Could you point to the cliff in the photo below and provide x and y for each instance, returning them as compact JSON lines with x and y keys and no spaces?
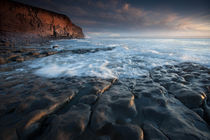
{"x":20,"y":21}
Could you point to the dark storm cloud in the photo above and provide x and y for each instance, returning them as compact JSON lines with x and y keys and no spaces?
{"x":157,"y":16}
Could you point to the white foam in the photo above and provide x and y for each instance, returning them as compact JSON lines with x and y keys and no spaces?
{"x":51,"y":70}
{"x":189,"y":58}
{"x":154,"y":51}
{"x":129,"y":58}
{"x":113,"y":45}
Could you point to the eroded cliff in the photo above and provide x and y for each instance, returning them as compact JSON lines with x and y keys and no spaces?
{"x":23,"y":22}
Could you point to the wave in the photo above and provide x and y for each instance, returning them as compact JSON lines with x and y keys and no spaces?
{"x":126,"y":58}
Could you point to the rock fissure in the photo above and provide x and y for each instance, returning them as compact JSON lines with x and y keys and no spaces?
{"x":88,"y":129}
{"x":164,"y":134}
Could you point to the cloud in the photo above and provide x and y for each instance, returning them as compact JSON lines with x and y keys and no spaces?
{"x":125,"y":7}
{"x":134,"y":16}
{"x":191,"y":25}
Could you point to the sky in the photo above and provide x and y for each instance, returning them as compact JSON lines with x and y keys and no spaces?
{"x":146,"y":18}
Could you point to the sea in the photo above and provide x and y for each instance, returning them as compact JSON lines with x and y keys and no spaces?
{"x":118,"y":57}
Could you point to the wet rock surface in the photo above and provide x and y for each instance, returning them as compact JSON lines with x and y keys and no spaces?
{"x":10,"y":53}
{"x":93,"y":50}
{"x":171,"y":103}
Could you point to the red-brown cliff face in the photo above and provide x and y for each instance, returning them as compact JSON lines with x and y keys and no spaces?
{"x":29,"y":22}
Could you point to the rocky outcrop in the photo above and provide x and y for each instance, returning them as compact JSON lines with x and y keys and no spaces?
{"x":171,"y":103}
{"x":20,"y":22}
{"x":10,"y":54}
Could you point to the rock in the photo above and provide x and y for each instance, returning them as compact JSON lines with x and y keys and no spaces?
{"x":16,"y":57}
{"x":199,"y":111}
{"x":206,"y":111}
{"x":160,"y":111}
{"x":55,"y":47}
{"x":20,"y":54}
{"x":190,"y":86}
{"x":50,"y":53}
{"x":13,"y":56}
{"x":32,"y":103}
{"x":2,"y":60}
{"x":69,"y":125}
{"x":115,"y":105}
{"x":83,"y":51}
{"x":7,"y":44}
{"x":188,"y":77}
{"x":88,"y":99}
{"x":122,"y":132}
{"x":104,"y":138}
{"x":20,"y":59}
{"x":39,"y":24}
{"x":148,"y":107}
{"x":35,"y":53}
{"x":152,"y":133}
{"x":191,"y":100}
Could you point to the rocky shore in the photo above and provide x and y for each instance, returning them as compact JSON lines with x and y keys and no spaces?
{"x":10,"y":54}
{"x":171,"y":103}
{"x":22,"y":25}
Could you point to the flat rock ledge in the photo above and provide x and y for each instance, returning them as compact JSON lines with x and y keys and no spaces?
{"x":171,"y":103}
{"x":10,"y":53}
